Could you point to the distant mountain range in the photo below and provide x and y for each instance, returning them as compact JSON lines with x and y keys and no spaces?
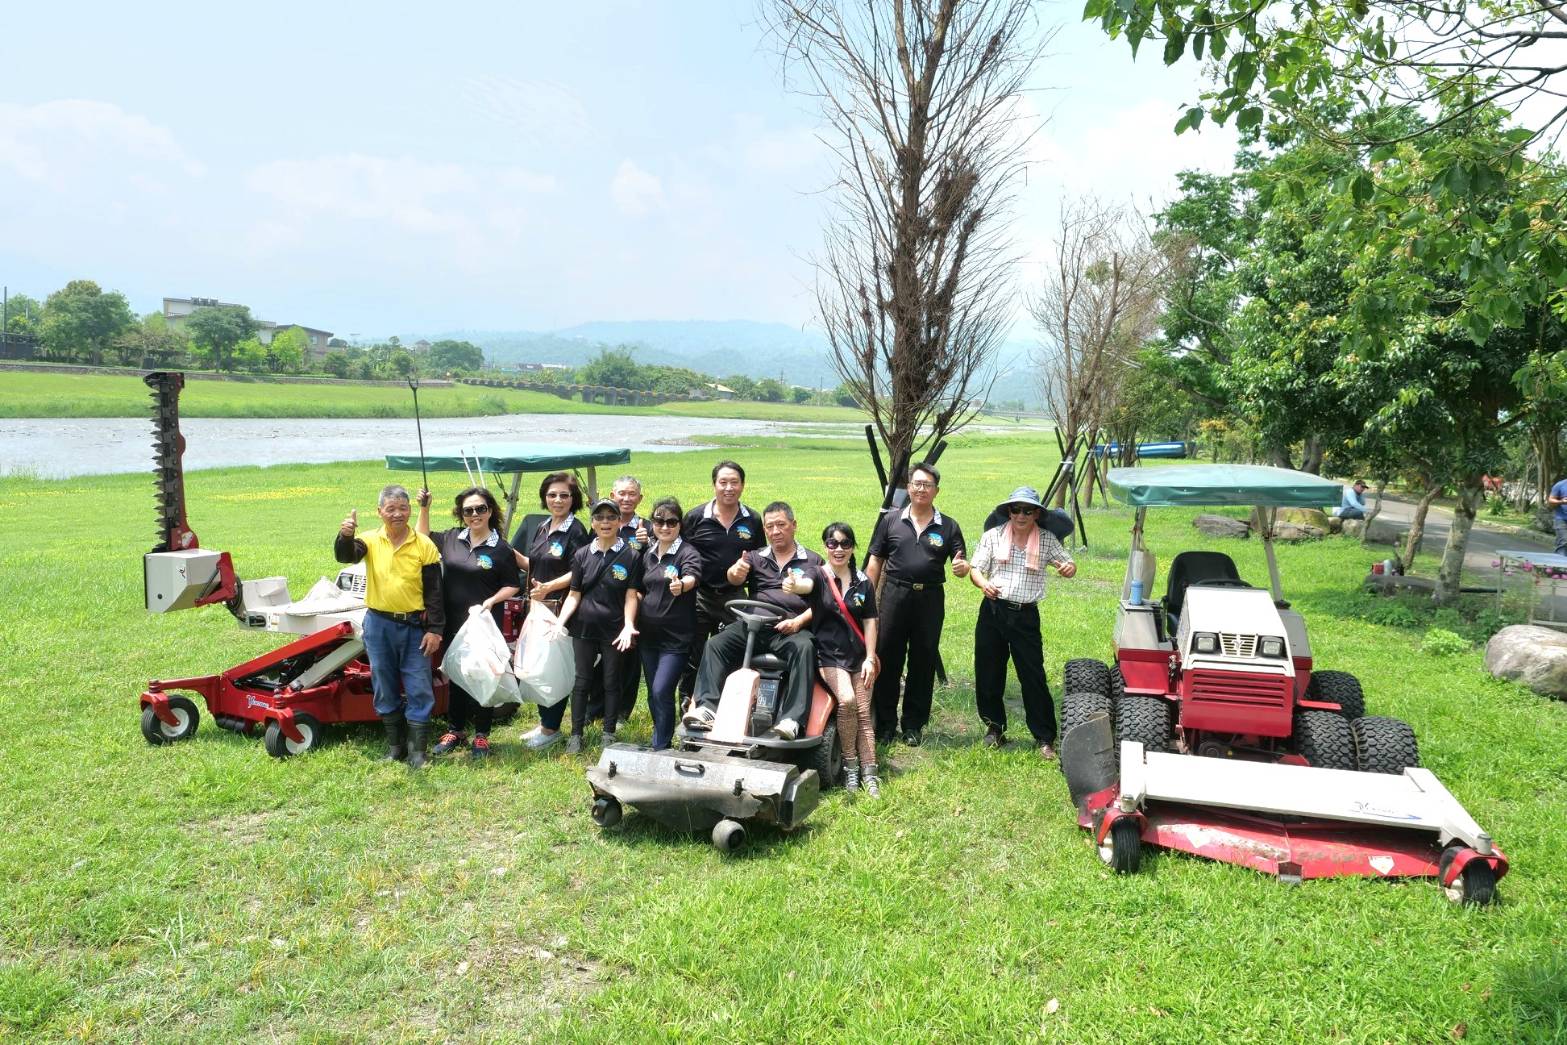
{"x":757,"y":350}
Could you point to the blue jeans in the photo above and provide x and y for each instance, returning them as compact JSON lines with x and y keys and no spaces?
{"x":397,"y":667}
{"x":1561,"y":534}
{"x":662,"y":665}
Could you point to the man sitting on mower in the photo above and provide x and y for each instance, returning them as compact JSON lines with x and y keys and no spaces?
{"x":780,"y":575}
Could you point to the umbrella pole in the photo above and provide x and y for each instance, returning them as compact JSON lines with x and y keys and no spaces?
{"x":413,"y":385}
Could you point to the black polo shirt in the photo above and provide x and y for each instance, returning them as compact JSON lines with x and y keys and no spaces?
{"x":720,"y":546}
{"x":664,"y":619}
{"x":836,"y":644}
{"x":470,"y":575}
{"x":602,"y":578}
{"x":767,"y":575}
{"x":549,"y":551}
{"x":628,"y":532}
{"x":916,"y":558}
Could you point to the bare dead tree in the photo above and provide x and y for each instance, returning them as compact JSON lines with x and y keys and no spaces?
{"x":1100,"y":302}
{"x":914,"y":287}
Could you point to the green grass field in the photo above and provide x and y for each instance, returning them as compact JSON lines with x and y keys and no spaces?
{"x":204,"y":891}
{"x":30,"y":394}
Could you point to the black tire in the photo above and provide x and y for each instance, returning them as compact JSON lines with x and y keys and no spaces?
{"x":827,"y":757}
{"x":1125,"y":844}
{"x":156,"y":732}
{"x":1324,"y":739}
{"x":729,"y":836}
{"x":1143,"y":719}
{"x":607,"y":811}
{"x":1384,"y":745}
{"x":279,"y":746}
{"x":1117,"y":684}
{"x":1078,"y":707}
{"x":1086,"y":675}
{"x":1341,"y":688}
{"x":1475,"y":887}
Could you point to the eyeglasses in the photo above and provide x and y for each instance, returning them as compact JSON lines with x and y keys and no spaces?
{"x":668,"y":520}
{"x":476,"y":509}
{"x":558,"y":493}
{"x":921,"y":484}
{"x":1021,"y":509}
{"x":834,"y":543}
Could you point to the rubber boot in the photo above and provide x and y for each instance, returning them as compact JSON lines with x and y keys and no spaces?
{"x":851,"y":774}
{"x":418,"y":740}
{"x":396,"y":749}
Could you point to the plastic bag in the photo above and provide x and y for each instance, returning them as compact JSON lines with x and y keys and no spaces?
{"x":477,"y":660}
{"x":545,"y":666}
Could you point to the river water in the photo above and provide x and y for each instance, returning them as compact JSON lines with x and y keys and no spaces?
{"x":61,"y":447}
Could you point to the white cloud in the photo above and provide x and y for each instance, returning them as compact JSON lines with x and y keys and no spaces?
{"x":60,"y":144}
{"x":542,"y":111}
{"x":634,"y":191}
{"x":1131,"y":151}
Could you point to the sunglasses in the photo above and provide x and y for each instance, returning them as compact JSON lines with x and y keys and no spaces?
{"x":1021,"y":509}
{"x":606,"y":518}
{"x":665,"y":521}
{"x":476,"y":509}
{"x":835,"y":544}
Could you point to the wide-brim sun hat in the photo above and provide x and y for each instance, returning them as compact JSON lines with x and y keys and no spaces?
{"x":1022,"y":495}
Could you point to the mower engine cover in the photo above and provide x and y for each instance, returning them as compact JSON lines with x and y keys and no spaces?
{"x":1237,"y":675}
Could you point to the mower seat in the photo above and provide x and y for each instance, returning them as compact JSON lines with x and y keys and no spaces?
{"x":1189,"y":568}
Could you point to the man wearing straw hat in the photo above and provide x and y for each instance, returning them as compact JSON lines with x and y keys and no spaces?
{"x":1009,"y":568}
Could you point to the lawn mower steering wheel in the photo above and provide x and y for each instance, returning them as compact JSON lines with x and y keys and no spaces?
{"x":1220,"y":582}
{"x":754,"y":612}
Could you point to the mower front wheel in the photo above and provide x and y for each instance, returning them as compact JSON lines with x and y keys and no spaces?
{"x":1122,"y":848}
{"x":607,"y":811}
{"x":186,"y":719}
{"x":729,"y":836}
{"x":1475,"y":885}
{"x":827,"y":757}
{"x":1384,"y":745}
{"x":279,"y":746}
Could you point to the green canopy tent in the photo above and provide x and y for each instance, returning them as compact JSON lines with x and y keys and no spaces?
{"x":507,"y":461}
{"x":1262,"y":488}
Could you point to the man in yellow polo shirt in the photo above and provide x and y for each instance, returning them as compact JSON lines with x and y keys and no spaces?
{"x":404,"y":618}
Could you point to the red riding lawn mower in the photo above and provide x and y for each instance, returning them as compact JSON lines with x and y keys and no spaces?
{"x":1213,"y":734}
{"x":289,"y":694}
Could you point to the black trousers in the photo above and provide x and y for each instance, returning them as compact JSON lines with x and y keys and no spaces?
{"x":909,"y":626}
{"x":727,"y":649}
{"x":612,"y":660}
{"x":460,"y":707}
{"x":630,"y":677}
{"x":710,"y":617}
{"x":1003,"y":631}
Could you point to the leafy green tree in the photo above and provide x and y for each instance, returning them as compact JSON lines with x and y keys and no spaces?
{"x":151,"y":344}
{"x":22,"y":314}
{"x":216,"y":331}
{"x":249,"y":355}
{"x":338,"y":363}
{"x":449,"y":356}
{"x":80,"y":321}
{"x":289,"y":351}
{"x":800,"y":395}
{"x":770,"y":390}
{"x":613,"y":368}
{"x":742,"y":386}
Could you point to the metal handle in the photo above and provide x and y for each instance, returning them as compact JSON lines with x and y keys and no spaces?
{"x":693,"y":768}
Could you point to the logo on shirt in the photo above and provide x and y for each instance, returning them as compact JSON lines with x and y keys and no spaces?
{"x":557,"y":549}
{"x":485,"y":562}
{"x":857,"y":599}
{"x":743,"y":532}
{"x":619,"y":571}
{"x":934,"y":539}
{"x":671,"y":572}
{"x":797,"y":572}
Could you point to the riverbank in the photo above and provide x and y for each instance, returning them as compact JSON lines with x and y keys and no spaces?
{"x":39,"y":395}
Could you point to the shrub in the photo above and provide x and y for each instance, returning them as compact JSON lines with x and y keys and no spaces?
{"x":1439,"y":642}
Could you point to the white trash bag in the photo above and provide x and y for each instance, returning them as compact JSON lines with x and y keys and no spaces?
{"x":479,"y":661}
{"x":545,"y":666}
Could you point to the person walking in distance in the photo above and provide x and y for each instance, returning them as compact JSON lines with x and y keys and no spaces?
{"x":721,"y":531}
{"x":404,"y":619}
{"x":912,"y":548}
{"x":1009,"y":568}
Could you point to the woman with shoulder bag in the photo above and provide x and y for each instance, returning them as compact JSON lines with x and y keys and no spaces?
{"x":546,"y":554}
{"x":843,"y":615}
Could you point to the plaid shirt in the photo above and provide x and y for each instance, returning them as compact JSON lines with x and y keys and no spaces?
{"x":1017,"y":582}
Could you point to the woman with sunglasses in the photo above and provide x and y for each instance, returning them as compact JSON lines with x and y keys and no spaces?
{"x":666,"y":616}
{"x":1010,"y":569}
{"x":843,"y":615}
{"x":601,"y":615}
{"x":546,"y":551}
{"x":478,"y":569}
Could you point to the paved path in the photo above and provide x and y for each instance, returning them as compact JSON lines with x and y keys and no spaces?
{"x":1484,"y":543}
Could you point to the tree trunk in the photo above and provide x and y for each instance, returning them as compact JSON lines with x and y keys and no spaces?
{"x":1417,"y":527}
{"x":1376,"y":509}
{"x":1311,"y":455}
{"x":1548,"y":466}
{"x":1451,"y":576}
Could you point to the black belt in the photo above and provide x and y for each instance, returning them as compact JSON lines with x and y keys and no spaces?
{"x":1018,"y":606}
{"x":401,"y":618}
{"x":914,"y":585}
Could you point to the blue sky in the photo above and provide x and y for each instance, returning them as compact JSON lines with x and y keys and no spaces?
{"x":403,"y":168}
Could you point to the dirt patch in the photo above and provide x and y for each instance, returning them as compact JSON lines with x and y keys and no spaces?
{"x":239,"y":828}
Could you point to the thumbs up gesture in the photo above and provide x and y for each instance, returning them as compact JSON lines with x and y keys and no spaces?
{"x":960,"y":566}
{"x":741,"y":569}
{"x":350,"y":523}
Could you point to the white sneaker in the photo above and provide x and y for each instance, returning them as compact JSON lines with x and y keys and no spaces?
{"x":699,"y":718}
{"x":541,"y":740}
{"x":535,"y":731}
{"x":786,"y":729}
